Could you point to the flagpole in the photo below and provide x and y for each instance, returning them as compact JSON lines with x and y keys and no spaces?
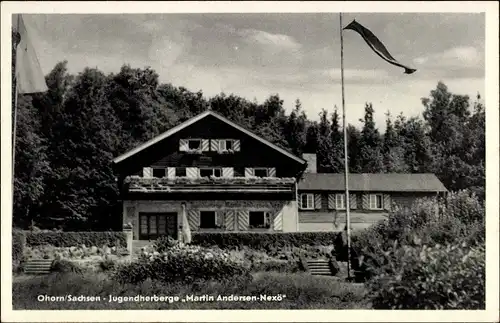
{"x":346,"y":165}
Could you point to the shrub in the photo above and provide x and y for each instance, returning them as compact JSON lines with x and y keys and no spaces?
{"x":18,"y":243}
{"x":164,"y":243}
{"x":65,"y":266}
{"x":423,"y":277}
{"x":107,"y":264}
{"x":264,"y":241}
{"x":428,"y":222}
{"x":70,"y":239}
{"x":182,"y":263}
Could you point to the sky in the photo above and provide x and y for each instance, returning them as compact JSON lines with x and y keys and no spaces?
{"x":296,"y":55}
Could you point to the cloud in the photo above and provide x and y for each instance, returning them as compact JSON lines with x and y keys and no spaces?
{"x":457,"y":57}
{"x":277,"y":41}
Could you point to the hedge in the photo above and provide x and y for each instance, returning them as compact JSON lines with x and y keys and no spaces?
{"x":73,"y":239}
{"x":18,"y":242}
{"x":231,"y":240}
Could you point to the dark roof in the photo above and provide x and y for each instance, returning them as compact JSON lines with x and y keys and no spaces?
{"x":372,"y":182}
{"x":195,"y":119}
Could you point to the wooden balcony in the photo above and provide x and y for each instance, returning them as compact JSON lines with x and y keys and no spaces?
{"x":136,"y":184}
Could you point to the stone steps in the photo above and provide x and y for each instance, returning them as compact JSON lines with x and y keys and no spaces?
{"x":38,"y":266}
{"x":319,"y":267}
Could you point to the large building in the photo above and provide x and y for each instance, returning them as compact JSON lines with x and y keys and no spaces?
{"x":225,"y":178}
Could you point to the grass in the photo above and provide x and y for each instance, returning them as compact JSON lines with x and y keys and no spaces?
{"x":299,"y":291}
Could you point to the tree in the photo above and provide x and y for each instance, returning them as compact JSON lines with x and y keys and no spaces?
{"x":353,"y":147}
{"x":337,"y":144}
{"x":393,"y":149}
{"x":370,"y":144}
{"x":324,"y":152}
{"x":295,"y":130}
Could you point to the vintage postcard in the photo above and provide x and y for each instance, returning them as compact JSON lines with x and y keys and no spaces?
{"x":250,"y":161}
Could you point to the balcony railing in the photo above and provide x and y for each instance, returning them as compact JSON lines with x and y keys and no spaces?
{"x":136,"y":184}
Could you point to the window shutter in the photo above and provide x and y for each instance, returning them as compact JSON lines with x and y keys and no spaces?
{"x":248,"y":172}
{"x":387,"y":202}
{"x":170,"y":172}
{"x":317,"y":201}
{"x":219,"y":216}
{"x":191,"y":172}
{"x":366,"y":201}
{"x":243,"y":220}
{"x":205,"y":145}
{"x":331,"y":201}
{"x":183,"y":145}
{"x":214,"y":145}
{"x":271,"y":172}
{"x":278,"y":221}
{"x":147,"y":172}
{"x":236,"y":145}
{"x":194,"y":220}
{"x":227,"y":172}
{"x":299,"y":202}
{"x":229,"y":220}
{"x":353,"y":203}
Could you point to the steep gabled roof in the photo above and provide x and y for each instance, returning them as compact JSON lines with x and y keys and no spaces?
{"x":372,"y":182}
{"x":195,"y":119}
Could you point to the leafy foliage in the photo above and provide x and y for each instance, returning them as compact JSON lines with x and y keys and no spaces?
{"x":18,"y":243}
{"x":263,"y":241}
{"x":423,"y":277}
{"x":182,"y":263}
{"x":71,"y":239}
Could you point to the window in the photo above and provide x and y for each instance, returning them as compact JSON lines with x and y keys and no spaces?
{"x":194,"y":144}
{"x":225,"y":144}
{"x":258,"y":220}
{"x":340,"y":201}
{"x":180,"y":172}
{"x":208,"y":220}
{"x":159,"y":172}
{"x":207,"y":172}
{"x":376,"y":201}
{"x":260,"y":172}
{"x":307,"y":201}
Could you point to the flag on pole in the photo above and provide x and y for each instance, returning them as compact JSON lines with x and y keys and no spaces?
{"x":186,"y":231}
{"x":29,"y":75}
{"x":376,"y":45}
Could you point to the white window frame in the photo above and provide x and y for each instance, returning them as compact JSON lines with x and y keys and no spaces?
{"x":373,"y":202}
{"x":223,"y":144}
{"x":215,"y":220}
{"x":211,"y":168}
{"x":260,"y":168}
{"x":342,"y":200}
{"x":265,"y":213}
{"x":193,"y":149}
{"x":309,"y":199}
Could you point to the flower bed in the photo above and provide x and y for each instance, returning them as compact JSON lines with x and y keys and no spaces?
{"x":182,"y":263}
{"x":73,"y":253}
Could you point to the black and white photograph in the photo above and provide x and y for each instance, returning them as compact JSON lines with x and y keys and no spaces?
{"x":234,"y":157}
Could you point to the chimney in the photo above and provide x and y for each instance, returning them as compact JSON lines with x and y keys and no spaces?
{"x":311,"y":163}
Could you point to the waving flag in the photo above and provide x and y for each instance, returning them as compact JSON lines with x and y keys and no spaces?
{"x":376,"y":45}
{"x":29,"y":75}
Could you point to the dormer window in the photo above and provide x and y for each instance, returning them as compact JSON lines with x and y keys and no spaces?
{"x":225,"y":144}
{"x":194,"y":144}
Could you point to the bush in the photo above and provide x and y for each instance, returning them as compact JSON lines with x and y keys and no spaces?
{"x":65,"y":266}
{"x":182,"y":263}
{"x":264,"y":241}
{"x":18,"y":243}
{"x":423,"y":277}
{"x":164,"y":243}
{"x":107,"y":264}
{"x":70,"y":239}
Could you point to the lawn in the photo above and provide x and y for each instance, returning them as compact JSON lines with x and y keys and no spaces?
{"x":266,"y":290}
